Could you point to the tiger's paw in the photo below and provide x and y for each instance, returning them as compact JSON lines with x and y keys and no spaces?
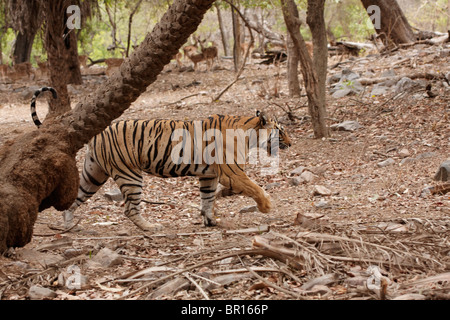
{"x":209,"y":221}
{"x":265,"y":206}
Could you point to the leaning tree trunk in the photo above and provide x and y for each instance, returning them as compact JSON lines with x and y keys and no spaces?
{"x":314,"y":84}
{"x":38,"y":169}
{"x":393,"y":24}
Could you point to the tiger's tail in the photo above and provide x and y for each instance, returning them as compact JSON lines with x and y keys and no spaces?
{"x":34,"y":115}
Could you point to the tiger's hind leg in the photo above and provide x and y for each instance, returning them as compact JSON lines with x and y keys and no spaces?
{"x":208,"y":188}
{"x":131,"y":191}
{"x":92,"y":179}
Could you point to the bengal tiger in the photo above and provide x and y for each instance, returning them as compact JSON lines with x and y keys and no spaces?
{"x":126,"y":149}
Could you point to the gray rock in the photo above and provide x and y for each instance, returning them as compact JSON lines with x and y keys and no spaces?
{"x":307,"y":176}
{"x":346,"y":126}
{"x":443,"y":173}
{"x":107,"y":258}
{"x":297,"y":171}
{"x":321,"y":191}
{"x":249,"y":209}
{"x":114,"y":195}
{"x":349,"y":75}
{"x":340,"y":93}
{"x":322,"y":204}
{"x":406,"y":84}
{"x":41,"y":293}
{"x":404,"y":153}
{"x":425,"y":155}
{"x":385,"y":163}
{"x":379,"y":90}
{"x":388,"y":74}
{"x":272,"y":185}
{"x":296,"y":181}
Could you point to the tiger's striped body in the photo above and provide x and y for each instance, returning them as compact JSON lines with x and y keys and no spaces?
{"x":126,"y":149}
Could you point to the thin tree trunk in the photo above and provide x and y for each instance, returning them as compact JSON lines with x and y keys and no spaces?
{"x":223,"y":31}
{"x":393,"y":24}
{"x":38,"y":169}
{"x":130,"y":23}
{"x":237,"y":40}
{"x":316,"y":98}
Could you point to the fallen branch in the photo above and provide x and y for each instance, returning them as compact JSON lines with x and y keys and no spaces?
{"x":263,"y":252}
{"x":271,"y":284}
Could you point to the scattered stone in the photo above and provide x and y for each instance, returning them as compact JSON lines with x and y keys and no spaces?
{"x":404,"y":153}
{"x":307,"y":176}
{"x":407,"y":160}
{"x":297,"y":170}
{"x":340,"y":93}
{"x":443,"y":173}
{"x":272,"y":185}
{"x":346,"y":126}
{"x":425,"y":155}
{"x":385,"y":163}
{"x":406,"y":84}
{"x":296,"y":181}
{"x":249,"y":209}
{"x":107,"y":258}
{"x":114,"y":195}
{"x":41,"y":293}
{"x":322,"y":204}
{"x":388,"y":73}
{"x":349,"y":75}
{"x":321,"y":191}
{"x":379,"y":90}
{"x":72,"y":253}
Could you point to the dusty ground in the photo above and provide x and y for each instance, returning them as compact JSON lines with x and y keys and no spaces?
{"x":374,"y":216}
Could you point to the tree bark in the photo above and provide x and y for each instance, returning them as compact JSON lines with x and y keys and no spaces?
{"x":316,"y":22}
{"x":61,"y":54}
{"x":315,"y":93}
{"x":38,"y":170}
{"x":26,"y":19}
{"x":393,"y":24}
{"x":223,"y":31}
{"x":22,"y":47}
{"x":292,"y":69}
{"x":237,"y":40}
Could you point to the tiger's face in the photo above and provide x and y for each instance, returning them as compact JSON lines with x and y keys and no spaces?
{"x":276,"y":128}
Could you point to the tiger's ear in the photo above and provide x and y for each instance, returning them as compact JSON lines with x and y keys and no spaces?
{"x":262,"y":117}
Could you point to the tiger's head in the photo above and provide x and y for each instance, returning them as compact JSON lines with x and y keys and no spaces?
{"x":276,"y":128}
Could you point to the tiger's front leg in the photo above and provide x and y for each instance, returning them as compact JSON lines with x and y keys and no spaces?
{"x":237,"y":182}
{"x":208,"y":188}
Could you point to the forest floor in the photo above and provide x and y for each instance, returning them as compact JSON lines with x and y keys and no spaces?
{"x":371,"y":234}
